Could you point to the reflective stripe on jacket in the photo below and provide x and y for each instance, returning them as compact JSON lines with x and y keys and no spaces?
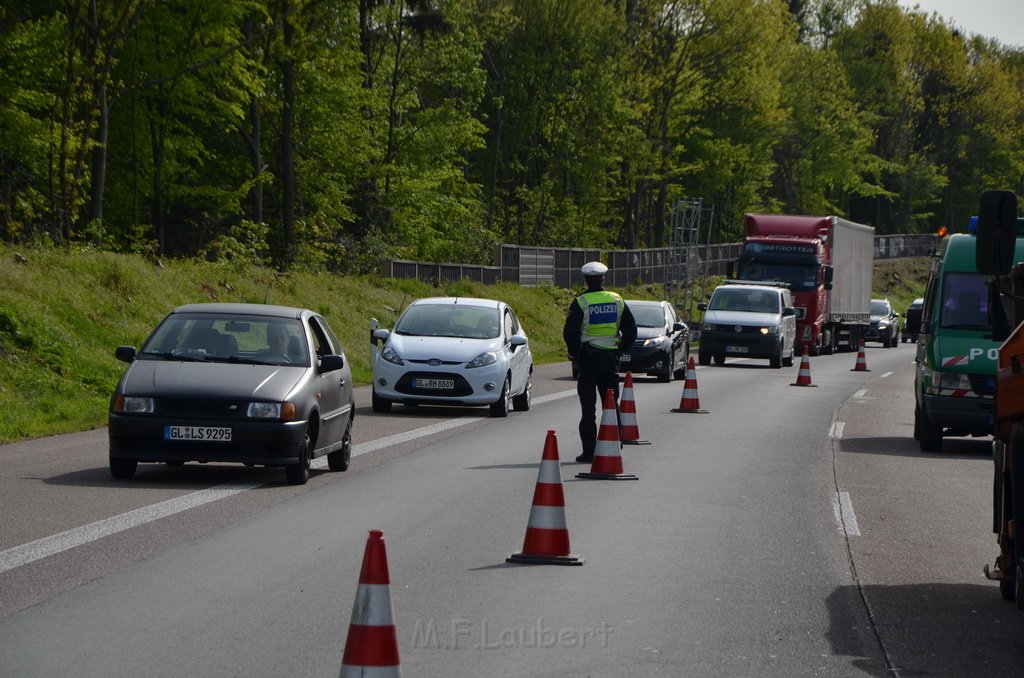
{"x":602,"y":312}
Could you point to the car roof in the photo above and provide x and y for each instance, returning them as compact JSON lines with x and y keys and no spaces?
{"x":243,"y":309}
{"x":644,"y":302}
{"x":467,"y":301}
{"x":764,"y":288}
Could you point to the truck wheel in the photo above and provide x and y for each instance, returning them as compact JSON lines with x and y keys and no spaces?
{"x":929,"y":435}
{"x":703,"y":358}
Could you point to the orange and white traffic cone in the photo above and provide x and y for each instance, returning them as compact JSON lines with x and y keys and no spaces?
{"x":629,"y":432}
{"x":372,"y":644}
{"x":607,"y":463}
{"x":547,"y":537}
{"x":690,"y":402}
{"x":862,"y":364}
{"x":803,"y":377}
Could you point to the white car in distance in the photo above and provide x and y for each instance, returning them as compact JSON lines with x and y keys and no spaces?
{"x":454,"y":351}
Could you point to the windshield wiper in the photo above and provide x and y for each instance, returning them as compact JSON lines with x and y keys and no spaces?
{"x":171,"y":355}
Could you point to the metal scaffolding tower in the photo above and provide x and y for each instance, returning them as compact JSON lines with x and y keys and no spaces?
{"x":686,"y":262}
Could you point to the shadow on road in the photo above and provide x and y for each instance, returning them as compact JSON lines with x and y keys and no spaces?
{"x":952,"y":448}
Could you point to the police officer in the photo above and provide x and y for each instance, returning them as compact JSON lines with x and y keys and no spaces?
{"x":597,"y":327}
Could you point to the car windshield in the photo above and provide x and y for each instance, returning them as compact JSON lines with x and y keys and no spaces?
{"x":647,"y":315}
{"x":755,"y":301}
{"x":965,"y":302}
{"x":879,"y":308}
{"x":227,"y":338}
{"x":449,"y":320}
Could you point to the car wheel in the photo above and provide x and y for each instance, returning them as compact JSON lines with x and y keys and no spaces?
{"x":681,"y":372}
{"x":703,"y":358}
{"x":298,"y":474}
{"x":340,"y":458}
{"x":887,"y":341}
{"x":380,"y":404}
{"x":522,"y":401}
{"x":776,"y":361}
{"x":123,"y":469}
{"x":666,"y":376}
{"x":929,"y":435}
{"x":719,"y":359}
{"x":896,"y":341}
{"x":788,"y":360}
{"x":500,"y":408}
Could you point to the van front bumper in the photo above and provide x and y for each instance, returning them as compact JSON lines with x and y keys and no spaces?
{"x":961,"y":416}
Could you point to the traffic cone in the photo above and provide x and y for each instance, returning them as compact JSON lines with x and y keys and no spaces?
{"x":607,"y":463}
{"x":803,"y":377}
{"x":690,"y":402}
{"x":862,"y":364}
{"x":629,"y":431}
{"x":547,"y":538}
{"x":372,"y":644}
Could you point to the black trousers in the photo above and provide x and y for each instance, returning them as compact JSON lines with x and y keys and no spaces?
{"x":598,"y":372}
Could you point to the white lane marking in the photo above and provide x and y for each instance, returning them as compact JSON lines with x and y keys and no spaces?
{"x":842,"y":507}
{"x":886,"y":375}
{"x":860,"y":393}
{"x":836,"y":432}
{"x":16,"y":556}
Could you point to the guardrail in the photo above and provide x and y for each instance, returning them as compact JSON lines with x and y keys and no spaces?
{"x":560,"y":266}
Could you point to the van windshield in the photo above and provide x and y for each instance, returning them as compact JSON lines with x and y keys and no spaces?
{"x":739,"y":299}
{"x":965,"y":302}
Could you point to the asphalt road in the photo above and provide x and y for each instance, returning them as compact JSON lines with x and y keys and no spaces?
{"x":788,"y":531}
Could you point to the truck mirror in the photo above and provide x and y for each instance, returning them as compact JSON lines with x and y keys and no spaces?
{"x":997,"y":226}
{"x":829,"y":273}
{"x":730,"y":270}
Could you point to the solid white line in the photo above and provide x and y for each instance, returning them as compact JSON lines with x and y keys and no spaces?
{"x":16,"y":556}
{"x":836,"y":432}
{"x":842,"y":507}
{"x":886,"y":375}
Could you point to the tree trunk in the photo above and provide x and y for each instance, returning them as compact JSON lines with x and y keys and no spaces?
{"x":99,"y":153}
{"x":287,"y":148}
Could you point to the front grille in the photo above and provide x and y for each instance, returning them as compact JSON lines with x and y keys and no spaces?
{"x":435,"y":361}
{"x":202,"y":408}
{"x":983,"y":385}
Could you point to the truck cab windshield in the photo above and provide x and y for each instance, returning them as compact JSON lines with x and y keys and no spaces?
{"x":965,"y":302}
{"x":799,"y":277}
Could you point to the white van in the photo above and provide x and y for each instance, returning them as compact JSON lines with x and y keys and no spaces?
{"x":749,"y":321}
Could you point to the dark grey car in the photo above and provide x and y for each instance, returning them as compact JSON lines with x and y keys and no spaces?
{"x":662,"y":346}
{"x":219,"y":383}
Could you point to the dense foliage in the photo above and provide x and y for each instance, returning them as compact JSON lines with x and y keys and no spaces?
{"x":330,"y":134}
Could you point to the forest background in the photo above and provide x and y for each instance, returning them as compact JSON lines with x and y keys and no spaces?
{"x":333,"y":134}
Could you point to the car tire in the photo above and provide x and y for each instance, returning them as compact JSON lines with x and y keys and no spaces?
{"x":340,"y":458}
{"x":776,"y":361}
{"x":681,"y":373}
{"x":380,"y":404}
{"x":703,"y":358}
{"x":521,"y":402}
{"x":123,"y":469}
{"x":896,"y":341}
{"x":666,"y":376}
{"x":788,"y":360}
{"x":887,"y":341}
{"x":719,"y":359}
{"x":500,"y":407}
{"x":298,"y":474}
{"x":929,"y":435}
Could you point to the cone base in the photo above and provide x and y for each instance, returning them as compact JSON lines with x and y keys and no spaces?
{"x":635,"y":442}
{"x":795,"y":384}
{"x":860,"y":370}
{"x":688,"y":411}
{"x":530,"y":559}
{"x":607,"y":476}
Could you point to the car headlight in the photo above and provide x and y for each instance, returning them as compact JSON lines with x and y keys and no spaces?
{"x":951,"y":380}
{"x":770,"y":330}
{"x":389,"y":355}
{"x":284,"y":411}
{"x":709,"y":327}
{"x":655,"y":342}
{"x":488,"y":358}
{"x":883,"y":324}
{"x":133,"y":405}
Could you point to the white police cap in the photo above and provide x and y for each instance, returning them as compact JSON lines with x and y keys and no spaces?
{"x":594,"y":268}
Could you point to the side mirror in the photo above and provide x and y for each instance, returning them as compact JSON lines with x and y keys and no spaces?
{"x":829,"y":275}
{"x":381,"y":334}
{"x":702,"y":306}
{"x":517,"y":340}
{"x":125,"y":354}
{"x":678,"y":327}
{"x":330,"y":363}
{"x":788,"y":311}
{"x":997,"y":232}
{"x":924,"y":327}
